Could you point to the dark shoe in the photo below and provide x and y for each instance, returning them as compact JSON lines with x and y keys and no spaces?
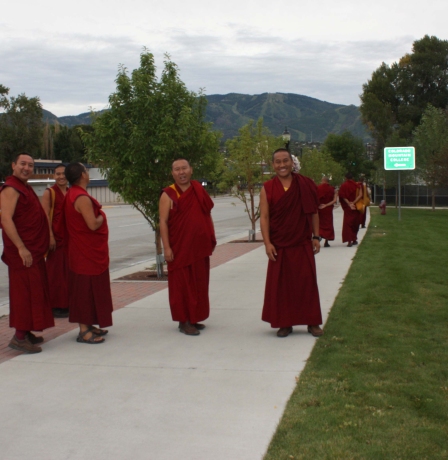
{"x":199,"y":326}
{"x":60,"y":312}
{"x":315,"y":331}
{"x":326,"y":245}
{"x":188,"y":329}
{"x":97,"y":331}
{"x":284,"y":331}
{"x":92,"y":340}
{"x":350,"y":244}
{"x":363,"y":226}
{"x":25,"y":346}
{"x":33,"y":339}
{"x":355,"y":243}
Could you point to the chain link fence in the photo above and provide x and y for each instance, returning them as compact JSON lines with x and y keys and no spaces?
{"x":411,"y":195}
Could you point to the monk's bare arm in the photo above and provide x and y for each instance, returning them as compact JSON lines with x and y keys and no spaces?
{"x":10,"y":197}
{"x":164,"y":213}
{"x":315,"y":224}
{"x":46,"y":204}
{"x":264,"y":225}
{"x":84,"y":206}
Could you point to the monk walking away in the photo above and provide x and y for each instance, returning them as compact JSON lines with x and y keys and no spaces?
{"x":327,"y":196}
{"x":57,"y":260}
{"x":349,"y":194}
{"x":188,"y":237}
{"x":26,"y":239}
{"x":87,"y":234}
{"x":289,"y":223}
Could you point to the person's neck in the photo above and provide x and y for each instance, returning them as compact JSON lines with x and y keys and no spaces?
{"x":285,"y":181}
{"x":184,"y":187}
{"x":63,"y":189}
{"x":82,"y":185}
{"x":24,"y":181}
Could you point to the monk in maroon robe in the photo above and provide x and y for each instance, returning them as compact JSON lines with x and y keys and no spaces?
{"x":57,"y":260}
{"x":289,"y":219}
{"x":86,"y":233}
{"x":327,"y":198}
{"x":26,"y":239}
{"x":349,"y":195}
{"x":188,"y":238}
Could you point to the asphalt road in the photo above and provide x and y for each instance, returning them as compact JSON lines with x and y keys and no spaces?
{"x":131,"y":239}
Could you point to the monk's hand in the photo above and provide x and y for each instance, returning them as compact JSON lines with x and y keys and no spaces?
{"x":353,"y":206}
{"x":271,"y":252}
{"x":26,"y":256}
{"x":316,"y":246}
{"x":168,"y":254}
{"x":322,"y":206}
{"x":52,"y":243}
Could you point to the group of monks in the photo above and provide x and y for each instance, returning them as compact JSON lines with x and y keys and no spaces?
{"x":57,"y":255}
{"x":354,"y":198}
{"x":64,"y":239}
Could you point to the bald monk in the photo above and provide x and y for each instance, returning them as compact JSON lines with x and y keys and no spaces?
{"x":327,"y":197}
{"x":86,"y":232}
{"x":289,"y":223}
{"x":188,"y":238}
{"x":26,"y":238}
{"x":349,"y":194}
{"x":57,"y":260}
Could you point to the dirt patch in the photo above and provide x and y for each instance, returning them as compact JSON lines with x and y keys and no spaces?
{"x":146,"y":275}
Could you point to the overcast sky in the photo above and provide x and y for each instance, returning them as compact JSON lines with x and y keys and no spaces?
{"x":67,"y":52}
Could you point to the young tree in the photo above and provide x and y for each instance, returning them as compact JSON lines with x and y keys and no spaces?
{"x":248,"y":161}
{"x":20,"y":128}
{"x":431,"y":142}
{"x":316,"y":164}
{"x":151,"y":122}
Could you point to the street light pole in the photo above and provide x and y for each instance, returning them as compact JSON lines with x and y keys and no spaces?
{"x":286,"y":138}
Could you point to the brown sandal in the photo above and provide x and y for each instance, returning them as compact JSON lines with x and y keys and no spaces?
{"x":97,"y":331}
{"x":91,"y":341}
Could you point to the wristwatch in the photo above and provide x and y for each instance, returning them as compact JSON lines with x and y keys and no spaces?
{"x":318,"y":238}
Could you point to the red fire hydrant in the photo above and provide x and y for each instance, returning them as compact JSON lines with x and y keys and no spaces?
{"x":382,"y":206}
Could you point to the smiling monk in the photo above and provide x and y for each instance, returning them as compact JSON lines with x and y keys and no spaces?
{"x":289,"y":219}
{"x":188,"y":238}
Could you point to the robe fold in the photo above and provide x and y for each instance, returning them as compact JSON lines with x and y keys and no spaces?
{"x":192,"y":240}
{"x":90,"y":298}
{"x":291,"y":293}
{"x":29,"y":304}
{"x":325,"y":194}
{"x":57,"y":260}
{"x":350,"y":225}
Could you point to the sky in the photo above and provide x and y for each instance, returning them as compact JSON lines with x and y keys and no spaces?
{"x":68,"y":53}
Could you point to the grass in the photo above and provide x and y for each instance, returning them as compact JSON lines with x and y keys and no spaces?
{"x":376,"y":384}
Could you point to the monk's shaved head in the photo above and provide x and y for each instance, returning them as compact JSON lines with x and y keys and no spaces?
{"x":20,"y":154}
{"x":180,"y":159}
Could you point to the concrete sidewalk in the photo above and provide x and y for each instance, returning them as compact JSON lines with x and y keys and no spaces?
{"x":150,"y":392}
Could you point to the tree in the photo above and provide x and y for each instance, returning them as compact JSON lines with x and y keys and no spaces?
{"x":399,"y":94}
{"x":68,"y":144}
{"x":248,"y":161}
{"x":350,"y":152}
{"x":150,"y":123}
{"x":20,"y":128}
{"x":316,"y":164}
{"x":431,"y":142}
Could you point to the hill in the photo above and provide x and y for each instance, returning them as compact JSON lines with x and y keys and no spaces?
{"x":306,"y":118}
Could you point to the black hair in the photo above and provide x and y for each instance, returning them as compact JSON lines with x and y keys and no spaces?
{"x":20,"y":154}
{"x":62,"y":165}
{"x":349,"y":176}
{"x":282,"y":149}
{"x":73,"y":172}
{"x":180,"y":159}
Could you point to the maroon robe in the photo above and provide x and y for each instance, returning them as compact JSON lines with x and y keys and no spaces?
{"x":29,"y":301}
{"x":57,"y":260}
{"x":291,"y":294}
{"x":350,"y":225}
{"x":325,"y":194}
{"x":90,"y":298}
{"x":192,"y":239}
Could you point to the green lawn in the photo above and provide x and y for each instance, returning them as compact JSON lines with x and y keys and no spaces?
{"x":376,"y":384}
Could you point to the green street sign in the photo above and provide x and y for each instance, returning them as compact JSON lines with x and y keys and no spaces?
{"x":399,"y":158}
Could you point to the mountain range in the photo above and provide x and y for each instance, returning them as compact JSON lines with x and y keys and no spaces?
{"x":306,"y":118}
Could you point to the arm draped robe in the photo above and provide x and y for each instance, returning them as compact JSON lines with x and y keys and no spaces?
{"x":29,"y":303}
{"x":325,"y":194}
{"x":291,"y":293}
{"x":350,"y":225}
{"x":192,"y":240}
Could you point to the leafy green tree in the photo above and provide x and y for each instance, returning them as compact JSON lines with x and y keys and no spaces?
{"x":350,"y":152}
{"x":431,"y":142}
{"x":68,"y":145}
{"x":151,"y":122}
{"x":318,"y":163}
{"x":248,"y":165}
{"x":399,"y":94}
{"x":21,"y":128}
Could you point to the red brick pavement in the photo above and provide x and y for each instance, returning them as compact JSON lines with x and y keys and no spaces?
{"x":123,"y":293}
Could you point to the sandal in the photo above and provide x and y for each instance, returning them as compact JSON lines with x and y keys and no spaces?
{"x":91,"y":341}
{"x":97,"y":331}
